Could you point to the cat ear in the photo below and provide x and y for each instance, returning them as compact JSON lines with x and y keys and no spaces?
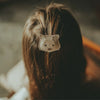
{"x":56,"y":37}
{"x":41,"y":36}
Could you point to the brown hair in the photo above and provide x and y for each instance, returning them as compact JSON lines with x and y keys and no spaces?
{"x":57,"y":74}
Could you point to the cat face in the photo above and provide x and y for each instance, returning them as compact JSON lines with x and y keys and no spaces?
{"x":49,"y":43}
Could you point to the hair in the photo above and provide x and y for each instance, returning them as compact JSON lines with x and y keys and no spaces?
{"x":57,"y":74}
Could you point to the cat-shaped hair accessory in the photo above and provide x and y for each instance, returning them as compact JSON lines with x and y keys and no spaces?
{"x":49,"y":43}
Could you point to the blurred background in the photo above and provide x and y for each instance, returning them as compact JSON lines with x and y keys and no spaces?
{"x":14,"y":13}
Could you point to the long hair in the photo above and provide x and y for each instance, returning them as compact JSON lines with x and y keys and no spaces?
{"x":57,"y":74}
